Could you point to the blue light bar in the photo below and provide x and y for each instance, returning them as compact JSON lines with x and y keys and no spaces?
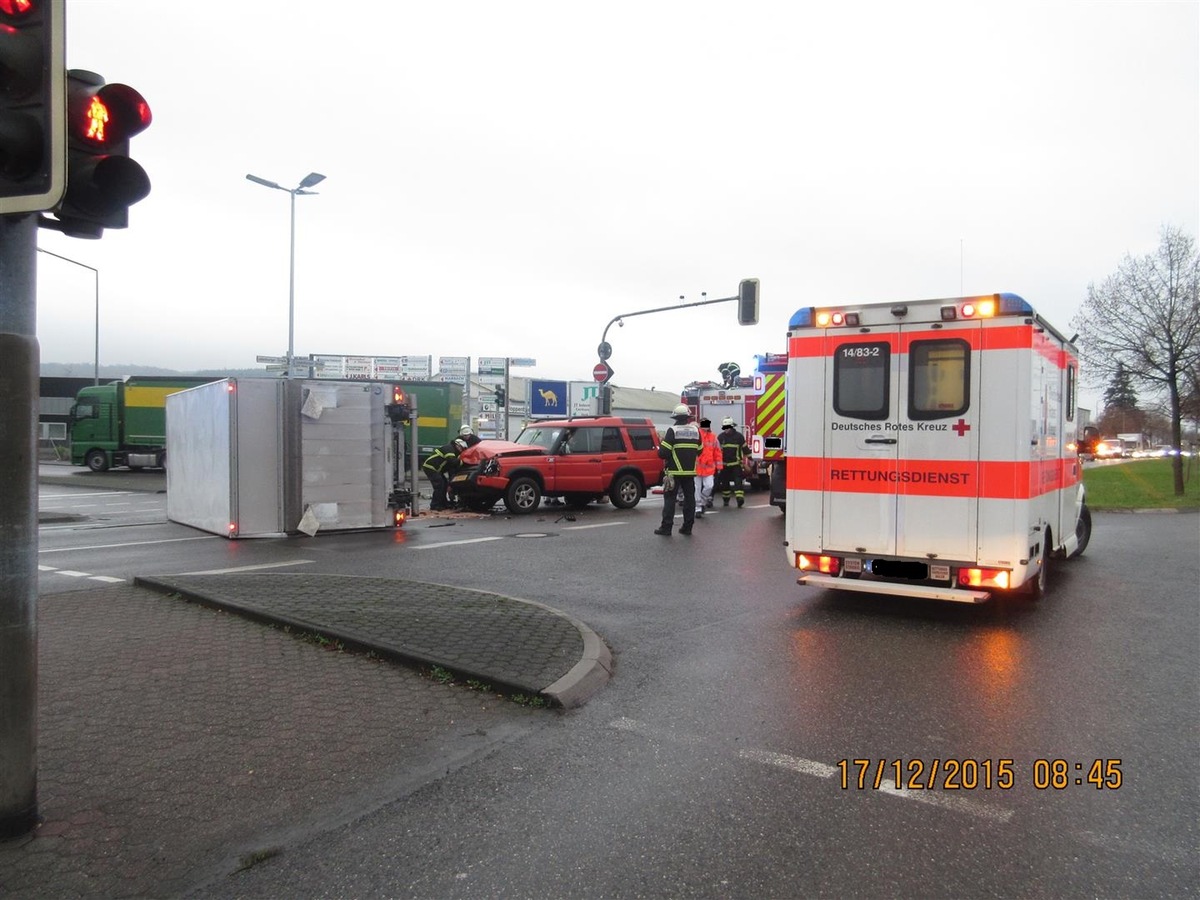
{"x":1012,"y":305}
{"x":802,"y":318}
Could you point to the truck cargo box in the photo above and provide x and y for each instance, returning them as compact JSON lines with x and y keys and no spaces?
{"x":262,"y":456}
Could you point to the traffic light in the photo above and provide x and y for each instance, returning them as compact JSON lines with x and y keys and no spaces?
{"x":32,"y":153}
{"x":500,"y":397}
{"x":748,"y":302}
{"x":102,"y":181}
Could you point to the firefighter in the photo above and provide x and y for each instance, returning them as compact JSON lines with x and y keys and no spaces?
{"x":708,"y":464}
{"x":440,"y":465}
{"x":733,"y":455}
{"x":679,"y":448}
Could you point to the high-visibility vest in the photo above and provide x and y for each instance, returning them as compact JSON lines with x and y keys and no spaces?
{"x":709,"y":461}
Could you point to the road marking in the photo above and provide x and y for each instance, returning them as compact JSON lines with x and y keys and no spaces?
{"x":795,"y":763}
{"x":277,"y":565}
{"x":824,"y":770}
{"x":597,"y":525}
{"x":208,"y":537}
{"x":456,"y":543}
{"x":89,"y":494}
{"x":110,"y":579}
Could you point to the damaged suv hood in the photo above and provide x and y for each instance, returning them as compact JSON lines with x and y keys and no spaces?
{"x":491,"y":448}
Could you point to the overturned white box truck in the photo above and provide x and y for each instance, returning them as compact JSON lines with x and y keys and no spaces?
{"x":253,"y":457}
{"x":931,"y":448}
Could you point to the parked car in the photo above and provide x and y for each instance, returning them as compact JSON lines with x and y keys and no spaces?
{"x":579,"y":460}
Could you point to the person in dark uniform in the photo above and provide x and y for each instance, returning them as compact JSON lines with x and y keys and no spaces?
{"x":438,"y":468}
{"x":679,"y":448}
{"x":733,"y":453}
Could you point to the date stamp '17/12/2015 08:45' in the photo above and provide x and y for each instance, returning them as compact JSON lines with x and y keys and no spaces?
{"x":977,"y":774}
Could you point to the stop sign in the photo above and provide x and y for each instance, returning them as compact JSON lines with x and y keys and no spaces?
{"x":602,"y":372}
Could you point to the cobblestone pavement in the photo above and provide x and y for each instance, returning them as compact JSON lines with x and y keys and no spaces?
{"x":178,"y":741}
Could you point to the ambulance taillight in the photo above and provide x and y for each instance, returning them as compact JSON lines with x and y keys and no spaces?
{"x":985,"y":578}
{"x":815,"y":562}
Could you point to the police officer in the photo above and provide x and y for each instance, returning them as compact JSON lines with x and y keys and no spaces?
{"x":733,"y":452}
{"x":679,"y":448}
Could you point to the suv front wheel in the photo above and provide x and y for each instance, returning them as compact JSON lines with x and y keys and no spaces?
{"x":625,"y":492}
{"x":523,"y":495}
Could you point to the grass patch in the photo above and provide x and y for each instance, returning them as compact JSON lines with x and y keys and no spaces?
{"x":1141,"y":484}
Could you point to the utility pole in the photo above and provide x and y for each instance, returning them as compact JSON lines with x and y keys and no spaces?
{"x":19,"y":367}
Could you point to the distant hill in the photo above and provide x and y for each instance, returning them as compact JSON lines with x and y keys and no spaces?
{"x":122,"y":370}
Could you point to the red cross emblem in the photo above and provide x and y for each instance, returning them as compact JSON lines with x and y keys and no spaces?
{"x":961,"y":427}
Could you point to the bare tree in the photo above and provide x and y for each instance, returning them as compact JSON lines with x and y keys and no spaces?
{"x":1145,"y":320}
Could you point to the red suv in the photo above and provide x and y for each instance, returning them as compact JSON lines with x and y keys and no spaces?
{"x":580,"y":460}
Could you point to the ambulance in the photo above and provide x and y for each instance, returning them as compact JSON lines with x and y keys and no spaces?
{"x":931,"y":448}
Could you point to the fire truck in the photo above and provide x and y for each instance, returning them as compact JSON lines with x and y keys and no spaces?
{"x":938,"y":457}
{"x":756,"y":403}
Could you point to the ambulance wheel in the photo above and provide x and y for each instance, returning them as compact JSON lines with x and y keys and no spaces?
{"x":1083,"y":531}
{"x":523,"y":496}
{"x":626,"y":491}
{"x":1037,"y":586}
{"x":97,"y":460}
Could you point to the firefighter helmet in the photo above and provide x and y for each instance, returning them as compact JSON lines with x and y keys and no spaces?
{"x":681,"y":411}
{"x":727,"y":421}
{"x":464,"y":431}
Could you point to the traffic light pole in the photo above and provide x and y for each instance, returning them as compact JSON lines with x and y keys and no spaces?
{"x":18,"y":524}
{"x":605,"y":390}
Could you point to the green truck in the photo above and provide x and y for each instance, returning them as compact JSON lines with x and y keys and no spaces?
{"x":124,"y":423}
{"x":439,"y":412}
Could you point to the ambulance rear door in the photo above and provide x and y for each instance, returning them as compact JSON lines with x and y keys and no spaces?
{"x":901,"y":449}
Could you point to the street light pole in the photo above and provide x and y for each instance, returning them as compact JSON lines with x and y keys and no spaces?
{"x":307,"y":181}
{"x":96,"y":273}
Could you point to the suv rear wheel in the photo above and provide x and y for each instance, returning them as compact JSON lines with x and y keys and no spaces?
{"x":523,"y":495}
{"x":625,"y":492}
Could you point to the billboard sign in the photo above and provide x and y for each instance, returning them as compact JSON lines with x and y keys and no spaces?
{"x":547,"y":399}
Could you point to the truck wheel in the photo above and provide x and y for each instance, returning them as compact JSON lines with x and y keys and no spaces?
{"x":625,"y":492}
{"x":1037,"y":587}
{"x":523,"y":496}
{"x":1083,"y":531}
{"x":96,"y":460}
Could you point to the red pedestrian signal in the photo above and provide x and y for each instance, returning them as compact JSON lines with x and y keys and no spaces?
{"x":32,"y":152}
{"x":102,"y":180}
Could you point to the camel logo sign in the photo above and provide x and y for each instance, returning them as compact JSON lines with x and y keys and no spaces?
{"x":547,"y":398}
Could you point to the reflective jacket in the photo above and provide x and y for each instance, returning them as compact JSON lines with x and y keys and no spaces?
{"x":680,"y":446}
{"x":445,"y":458}
{"x":709,"y":462}
{"x":733,"y":446}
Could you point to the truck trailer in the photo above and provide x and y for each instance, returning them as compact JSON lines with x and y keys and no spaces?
{"x":253,"y":457}
{"x":439,"y":413}
{"x":124,"y":423}
{"x":938,"y":454}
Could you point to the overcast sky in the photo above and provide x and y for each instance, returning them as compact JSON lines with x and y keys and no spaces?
{"x":502,"y":179}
